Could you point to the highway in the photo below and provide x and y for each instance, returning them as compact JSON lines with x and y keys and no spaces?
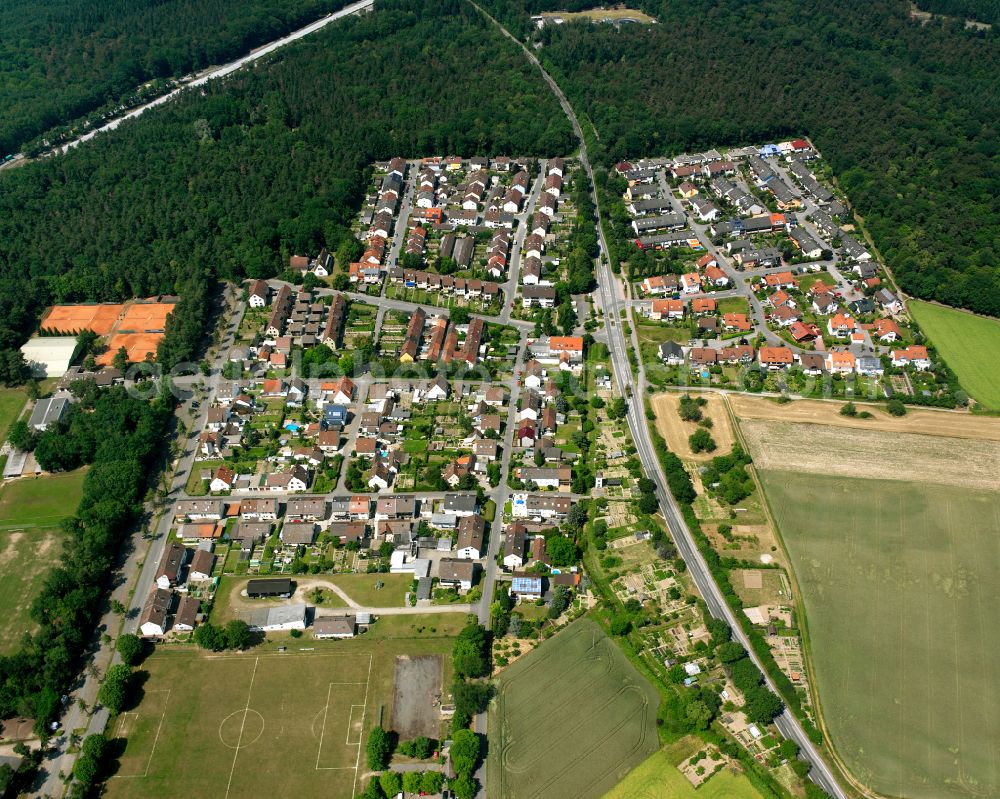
{"x":609,"y":290}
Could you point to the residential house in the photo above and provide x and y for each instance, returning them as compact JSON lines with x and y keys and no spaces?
{"x":456,"y":573}
{"x":915,"y":355}
{"x":169,"y":570}
{"x":775,"y":357}
{"x":471,"y":537}
{"x":202,"y":563}
{"x":153,"y":618}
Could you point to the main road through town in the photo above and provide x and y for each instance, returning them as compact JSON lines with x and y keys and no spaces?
{"x":612,"y":302}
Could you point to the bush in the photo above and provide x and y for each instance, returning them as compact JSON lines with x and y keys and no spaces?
{"x":130,"y":646}
{"x":701,"y":441}
{"x":378,"y":749}
{"x":849,"y":409}
{"x":896,"y":407}
{"x":391,"y":783}
{"x":115,"y":689}
{"x":464,"y":751}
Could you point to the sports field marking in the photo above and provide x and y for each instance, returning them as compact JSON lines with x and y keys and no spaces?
{"x":350,"y":722}
{"x":239,"y":741}
{"x":159,"y":726}
{"x":357,"y":762}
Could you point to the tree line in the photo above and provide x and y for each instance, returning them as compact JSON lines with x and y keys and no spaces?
{"x":229,"y":181}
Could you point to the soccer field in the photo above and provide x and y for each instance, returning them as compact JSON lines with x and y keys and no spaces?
{"x":969,"y":345}
{"x":246,"y":725}
{"x":901,"y":582}
{"x":570,"y":719}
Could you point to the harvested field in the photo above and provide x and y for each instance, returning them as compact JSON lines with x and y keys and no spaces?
{"x":74,"y":318}
{"x":675,"y":431}
{"x":917,"y":420}
{"x":417,"y":697}
{"x":900,"y":583}
{"x":877,"y":454}
{"x":570,"y":719}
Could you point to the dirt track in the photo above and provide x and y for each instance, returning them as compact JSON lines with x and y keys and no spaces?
{"x":917,"y":420}
{"x":675,"y":431}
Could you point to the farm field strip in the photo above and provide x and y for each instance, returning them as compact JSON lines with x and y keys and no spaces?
{"x":917,"y":420}
{"x":824,"y":449}
{"x":968,"y":344}
{"x":560,"y":707}
{"x":900,"y":581}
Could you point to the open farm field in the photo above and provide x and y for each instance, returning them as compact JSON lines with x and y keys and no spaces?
{"x":675,"y":431}
{"x":968,"y":344}
{"x":31,"y":511}
{"x":570,"y":719}
{"x":658,"y":777}
{"x":875,"y":454}
{"x":264,"y":723}
{"x":917,"y":420}
{"x":900,"y":584}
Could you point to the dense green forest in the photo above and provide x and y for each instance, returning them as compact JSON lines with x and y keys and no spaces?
{"x":61,"y":59}
{"x":908,"y":115}
{"x":268,"y":162}
{"x":979,"y":10}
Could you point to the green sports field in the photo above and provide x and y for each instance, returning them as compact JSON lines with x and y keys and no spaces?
{"x":969,"y":345}
{"x":30,"y":514}
{"x":570,"y":719}
{"x":901,"y":583}
{"x":265,"y":723}
{"x":658,"y":777}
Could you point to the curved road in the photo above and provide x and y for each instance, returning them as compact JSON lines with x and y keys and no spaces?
{"x":612,"y":301}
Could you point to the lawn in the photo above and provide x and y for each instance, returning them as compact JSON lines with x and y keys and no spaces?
{"x":30,"y":542}
{"x":806,"y":282}
{"x":734,"y":305}
{"x":900,"y":582}
{"x":11,"y":402}
{"x":263,"y":723}
{"x":40,"y":502}
{"x":968,"y":344}
{"x":570,"y":719}
{"x":658,"y":776}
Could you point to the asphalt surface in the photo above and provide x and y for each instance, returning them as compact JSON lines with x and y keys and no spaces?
{"x":609,"y":293}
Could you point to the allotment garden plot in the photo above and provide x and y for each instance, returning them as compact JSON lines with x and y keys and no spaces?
{"x":570,"y":719}
{"x":901,"y":581}
{"x":246,"y":725}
